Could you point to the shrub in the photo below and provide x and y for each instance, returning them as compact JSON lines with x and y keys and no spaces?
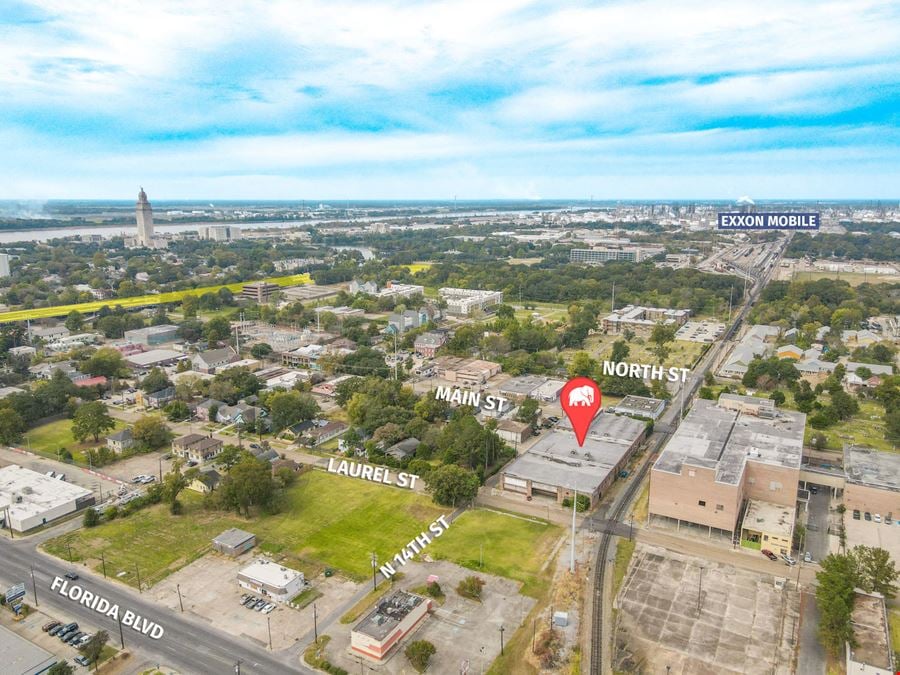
{"x":434,"y":590}
{"x":419,"y":653}
{"x":470,"y":587}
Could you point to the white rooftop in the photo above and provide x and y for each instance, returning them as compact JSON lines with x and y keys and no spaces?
{"x":38,"y":493}
{"x":269,"y":573}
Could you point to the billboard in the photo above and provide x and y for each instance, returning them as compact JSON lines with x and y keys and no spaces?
{"x":768,"y":221}
{"x":15,"y":592}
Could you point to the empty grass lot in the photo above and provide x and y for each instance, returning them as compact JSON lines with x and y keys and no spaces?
{"x":48,"y":438}
{"x":514,"y":547}
{"x":326,"y":520}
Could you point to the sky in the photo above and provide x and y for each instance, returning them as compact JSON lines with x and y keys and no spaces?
{"x":475,"y":99}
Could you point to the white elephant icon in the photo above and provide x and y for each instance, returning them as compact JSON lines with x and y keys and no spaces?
{"x":582,"y":396}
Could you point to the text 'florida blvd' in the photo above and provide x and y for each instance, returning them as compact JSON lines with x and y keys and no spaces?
{"x":413,"y":548}
{"x":103,"y":606}
{"x":376,"y":474}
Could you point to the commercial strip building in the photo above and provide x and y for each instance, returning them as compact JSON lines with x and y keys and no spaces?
{"x":557,"y":466}
{"x":872,"y":653}
{"x":641,"y":320}
{"x":392,"y":619}
{"x":463,"y":301}
{"x":152,"y":335}
{"x":540,"y":388}
{"x":603,"y":254}
{"x":271,"y":580}
{"x":29,"y":499}
{"x":722,"y":457}
{"x":640,"y":406}
{"x":23,"y":657}
{"x":154,"y":358}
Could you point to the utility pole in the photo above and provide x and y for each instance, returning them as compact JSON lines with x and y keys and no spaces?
{"x":34,"y":587}
{"x":121,"y":633}
{"x":315,"y":624}
{"x":138,"y":570}
{"x":572,"y":556}
{"x":103,"y":562}
{"x":237,"y":667}
{"x":269,"y":626}
{"x":699,"y":590}
{"x":501,"y":639}
{"x":374,"y":572}
{"x":180,"y":602}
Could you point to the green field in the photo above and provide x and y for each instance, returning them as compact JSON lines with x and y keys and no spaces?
{"x":852,"y":278}
{"x":49,"y":438}
{"x":141,"y":300}
{"x":514,"y":547}
{"x":864,"y":428}
{"x":682,"y":354}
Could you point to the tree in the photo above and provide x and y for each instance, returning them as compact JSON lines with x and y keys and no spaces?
{"x":249,"y":483}
{"x":659,"y":390}
{"x":74,"y":321}
{"x":528,"y":411}
{"x":173,"y":483}
{"x":260,"y":350}
{"x":107,"y":362}
{"x":708,"y":378}
{"x":94,"y":647}
{"x":151,"y":432}
{"x":419,"y":653}
{"x":660,"y":336}
{"x":177,"y":411}
{"x":91,"y":518}
{"x":834,"y":596}
{"x":291,"y":407}
{"x":620,"y":351}
{"x":778,"y":397}
{"x":156,"y":380}
{"x":189,"y":306}
{"x":707,"y":393}
{"x":217,"y":329}
{"x":452,"y":485}
{"x":818,"y":440}
{"x":61,"y":668}
{"x":875,"y":570}
{"x":230,"y":455}
{"x":91,"y":419}
{"x":11,"y":426}
{"x":582,"y":365}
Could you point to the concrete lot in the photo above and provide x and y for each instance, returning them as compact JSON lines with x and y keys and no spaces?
{"x":744,"y":624}
{"x":30,"y":629}
{"x":209,"y":590}
{"x":459,"y":628}
{"x":870,"y":533}
{"x":74,"y":474}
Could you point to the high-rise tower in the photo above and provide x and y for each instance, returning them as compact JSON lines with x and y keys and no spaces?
{"x":144,"y":214}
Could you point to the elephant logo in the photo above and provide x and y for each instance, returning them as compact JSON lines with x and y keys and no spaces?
{"x":581,"y":396}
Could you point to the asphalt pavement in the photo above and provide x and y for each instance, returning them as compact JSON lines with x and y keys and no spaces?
{"x":812,"y":659}
{"x":187,"y":644}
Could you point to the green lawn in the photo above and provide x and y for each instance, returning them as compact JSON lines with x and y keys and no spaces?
{"x":894,"y":620}
{"x":852,"y":278}
{"x":48,"y":438}
{"x":513,"y":547}
{"x":864,"y":428}
{"x":327,"y":520}
{"x":682,"y":354}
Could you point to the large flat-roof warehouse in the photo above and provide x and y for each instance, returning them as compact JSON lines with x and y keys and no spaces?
{"x":32,"y":499}
{"x":23,"y":657}
{"x":556,"y":465}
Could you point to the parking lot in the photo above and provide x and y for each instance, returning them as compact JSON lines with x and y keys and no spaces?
{"x":681,"y":614}
{"x":459,"y":628}
{"x":870,"y":533}
{"x":818,"y":540}
{"x":30,"y":629}
{"x":209,"y":590}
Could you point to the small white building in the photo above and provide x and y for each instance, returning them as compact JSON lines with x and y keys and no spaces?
{"x":31,"y":499}
{"x":271,"y":580}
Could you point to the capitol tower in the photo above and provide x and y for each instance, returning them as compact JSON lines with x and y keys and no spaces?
{"x":144,"y":214}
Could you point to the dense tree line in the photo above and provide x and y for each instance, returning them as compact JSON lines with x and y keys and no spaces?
{"x":871,"y":246}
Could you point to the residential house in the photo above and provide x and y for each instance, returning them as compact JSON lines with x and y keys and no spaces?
{"x":203,"y":408}
{"x":324,"y":431}
{"x":120,"y":441}
{"x":814,"y":371}
{"x":513,"y":431}
{"x":408,"y":320}
{"x":427,"y":344}
{"x":196,"y":448}
{"x":240,"y":413}
{"x":206,"y":481}
{"x":156,"y":399}
{"x":404,"y":449}
{"x":789,"y":351}
{"x":210,"y":360}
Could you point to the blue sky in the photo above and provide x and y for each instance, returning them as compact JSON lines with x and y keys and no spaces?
{"x":335,"y":99}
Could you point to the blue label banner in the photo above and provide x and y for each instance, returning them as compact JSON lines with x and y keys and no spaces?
{"x":768,"y":221}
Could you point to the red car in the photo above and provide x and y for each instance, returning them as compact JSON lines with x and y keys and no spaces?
{"x":769,"y":554}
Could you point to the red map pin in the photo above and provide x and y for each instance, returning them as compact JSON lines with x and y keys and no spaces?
{"x":580,"y":400}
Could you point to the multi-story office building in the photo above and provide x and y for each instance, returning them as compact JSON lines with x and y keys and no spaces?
{"x":604,"y":254}
{"x":465,"y":301}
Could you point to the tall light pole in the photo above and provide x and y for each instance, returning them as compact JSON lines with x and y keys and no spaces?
{"x":374,"y":573}
{"x":699,"y":589}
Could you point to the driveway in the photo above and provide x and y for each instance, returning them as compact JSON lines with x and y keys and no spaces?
{"x":817,"y":524}
{"x":812,"y":657}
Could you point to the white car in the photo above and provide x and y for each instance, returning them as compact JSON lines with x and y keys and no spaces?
{"x":788,"y":560}
{"x":268,"y":608}
{"x":877,"y":517}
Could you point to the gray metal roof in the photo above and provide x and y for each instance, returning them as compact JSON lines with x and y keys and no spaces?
{"x":233,"y":537}
{"x":868,"y":466}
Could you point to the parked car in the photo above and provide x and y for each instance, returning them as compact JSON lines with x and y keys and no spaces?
{"x":82,"y":661}
{"x":877,"y":517}
{"x":52,"y":474}
{"x":73,"y":636}
{"x":255,"y":446}
{"x":814,"y":489}
{"x":888,"y":519}
{"x":137,"y":479}
{"x":48,"y":626}
{"x":192,"y":463}
{"x":244,"y":598}
{"x":855,"y":514}
{"x":771,"y":556}
{"x":808,"y":557}
{"x":268,"y":608}
{"x":867,"y":515}
{"x":55,"y":630}
{"x":250,"y":602}
{"x":788,"y":560}
{"x":71,"y":576}
{"x":259,"y":605}
{"x":83,"y":639}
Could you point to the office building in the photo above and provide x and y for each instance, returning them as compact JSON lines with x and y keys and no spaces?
{"x":723,"y":456}
{"x":220,"y":233}
{"x":392,"y":619}
{"x":641,"y":320}
{"x":152,"y":335}
{"x":464,"y":301}
{"x":4,"y":264}
{"x":259,"y":291}
{"x":30,"y":499}
{"x":603,"y":254}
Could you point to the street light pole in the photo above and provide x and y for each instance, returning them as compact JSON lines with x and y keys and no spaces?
{"x":34,"y":587}
{"x":374,"y":572}
{"x":501,"y":639}
{"x":315,"y":624}
{"x":180,"y":602}
{"x":699,"y":589}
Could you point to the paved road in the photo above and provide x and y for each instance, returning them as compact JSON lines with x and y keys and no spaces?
{"x":812,"y":659}
{"x":188,"y":645}
{"x":817,"y":524}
